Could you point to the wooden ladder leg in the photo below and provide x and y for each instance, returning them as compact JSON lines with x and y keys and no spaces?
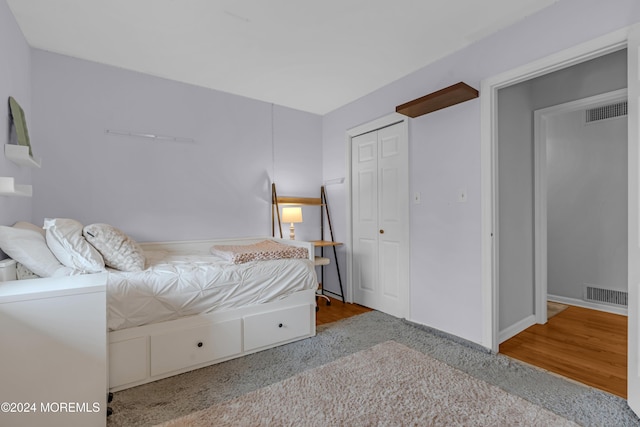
{"x":323,"y":199}
{"x":274,"y":205}
{"x":335,"y":255}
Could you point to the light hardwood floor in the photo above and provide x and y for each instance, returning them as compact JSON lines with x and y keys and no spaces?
{"x":585,"y":345}
{"x":337,"y":311}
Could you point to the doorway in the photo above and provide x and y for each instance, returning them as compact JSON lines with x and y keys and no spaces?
{"x":580,"y":202}
{"x":550,"y":220}
{"x":519,"y":262}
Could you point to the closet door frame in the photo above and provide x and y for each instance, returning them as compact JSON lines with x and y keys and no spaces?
{"x":374,"y":125}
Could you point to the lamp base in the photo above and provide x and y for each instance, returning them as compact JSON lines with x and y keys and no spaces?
{"x":292,"y":232}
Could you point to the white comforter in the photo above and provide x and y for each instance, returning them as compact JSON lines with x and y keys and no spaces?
{"x":176,"y":286}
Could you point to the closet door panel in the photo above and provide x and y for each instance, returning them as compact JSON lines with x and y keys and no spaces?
{"x":366,"y":198}
{"x":390,"y":253}
{"x":367,"y":270}
{"x":365,"y":213}
{"x":389,"y":209}
{"x":392,"y":186}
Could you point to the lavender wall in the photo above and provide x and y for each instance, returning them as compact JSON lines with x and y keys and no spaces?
{"x":445,"y":154}
{"x":215,"y":187}
{"x":15,"y":69}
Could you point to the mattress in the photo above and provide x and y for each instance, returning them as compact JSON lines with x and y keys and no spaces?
{"x":174,"y":286}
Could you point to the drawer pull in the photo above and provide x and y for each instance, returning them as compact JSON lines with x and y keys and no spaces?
{"x":280,"y":325}
{"x":200,"y":344}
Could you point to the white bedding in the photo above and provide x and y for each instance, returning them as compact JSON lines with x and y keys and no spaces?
{"x":174,"y":286}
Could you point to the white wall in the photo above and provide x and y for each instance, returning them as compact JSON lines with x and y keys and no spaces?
{"x":215,"y":187}
{"x":445,"y":154}
{"x":587,"y":204}
{"x":15,"y":74}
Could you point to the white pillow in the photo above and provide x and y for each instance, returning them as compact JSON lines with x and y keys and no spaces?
{"x":118,"y":250}
{"x":28,"y":226}
{"x":25,"y":243}
{"x":64,"y":238}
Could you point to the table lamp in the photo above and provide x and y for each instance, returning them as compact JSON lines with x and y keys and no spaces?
{"x":292,"y":215}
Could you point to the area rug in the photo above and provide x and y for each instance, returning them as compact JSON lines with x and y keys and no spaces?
{"x":387,"y":384}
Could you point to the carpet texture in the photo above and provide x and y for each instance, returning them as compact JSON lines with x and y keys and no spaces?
{"x":388,"y":384}
{"x":174,"y":397}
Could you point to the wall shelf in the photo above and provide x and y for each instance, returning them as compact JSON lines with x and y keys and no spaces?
{"x":19,"y":154}
{"x":8,"y":187}
{"x":312,"y":201}
{"x":452,"y":95}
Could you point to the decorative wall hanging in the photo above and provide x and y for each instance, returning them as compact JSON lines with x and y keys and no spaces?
{"x":20,"y":124}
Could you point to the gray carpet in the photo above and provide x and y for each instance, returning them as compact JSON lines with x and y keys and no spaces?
{"x":388,"y":384}
{"x":174,"y":397}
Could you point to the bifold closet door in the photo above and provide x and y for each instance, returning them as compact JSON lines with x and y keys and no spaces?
{"x":379,"y":217}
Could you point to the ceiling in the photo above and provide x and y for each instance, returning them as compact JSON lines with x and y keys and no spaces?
{"x":313,"y":56}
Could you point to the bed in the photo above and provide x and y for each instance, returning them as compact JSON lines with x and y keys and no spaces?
{"x":187,"y":307}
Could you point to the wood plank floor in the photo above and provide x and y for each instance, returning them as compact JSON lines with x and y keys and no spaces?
{"x":585,"y":345}
{"x":337,"y":311}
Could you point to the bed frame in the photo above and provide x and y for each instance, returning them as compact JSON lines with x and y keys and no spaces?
{"x":151,"y":352}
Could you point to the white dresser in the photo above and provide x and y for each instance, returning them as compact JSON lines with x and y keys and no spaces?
{"x":53,"y":352}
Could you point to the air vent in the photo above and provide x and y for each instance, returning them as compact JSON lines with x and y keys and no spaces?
{"x":606,"y":296}
{"x":610,"y":111}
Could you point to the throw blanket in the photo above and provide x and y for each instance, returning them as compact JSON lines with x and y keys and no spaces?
{"x":261,"y":251}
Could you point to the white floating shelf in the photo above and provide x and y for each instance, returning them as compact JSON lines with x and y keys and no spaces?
{"x":19,"y":154}
{"x":8,"y":187}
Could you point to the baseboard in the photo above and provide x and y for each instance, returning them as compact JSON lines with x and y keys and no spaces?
{"x":516,"y":328}
{"x":587,"y":304}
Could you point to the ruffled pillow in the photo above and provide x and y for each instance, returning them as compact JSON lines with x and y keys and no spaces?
{"x":118,"y":250}
{"x":64,"y":238}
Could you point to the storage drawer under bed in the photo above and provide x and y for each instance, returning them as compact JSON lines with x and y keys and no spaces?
{"x":179,"y":349}
{"x":267,"y":329}
{"x":153,"y":351}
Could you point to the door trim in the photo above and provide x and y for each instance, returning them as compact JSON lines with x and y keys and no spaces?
{"x":374,"y":125}
{"x":540,"y":118}
{"x":489,"y":159}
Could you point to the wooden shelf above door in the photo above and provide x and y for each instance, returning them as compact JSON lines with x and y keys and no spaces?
{"x":452,"y":95}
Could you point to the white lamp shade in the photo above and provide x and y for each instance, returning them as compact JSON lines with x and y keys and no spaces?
{"x":292,"y":214}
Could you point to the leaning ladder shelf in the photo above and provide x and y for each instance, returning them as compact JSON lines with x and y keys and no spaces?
{"x":321,"y":201}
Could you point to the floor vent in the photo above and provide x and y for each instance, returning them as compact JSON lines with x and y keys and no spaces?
{"x":606,"y":112}
{"x":606,"y":296}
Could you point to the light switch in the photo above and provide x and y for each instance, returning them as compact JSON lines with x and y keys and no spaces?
{"x":462,"y":195}
{"x":416,"y":197}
